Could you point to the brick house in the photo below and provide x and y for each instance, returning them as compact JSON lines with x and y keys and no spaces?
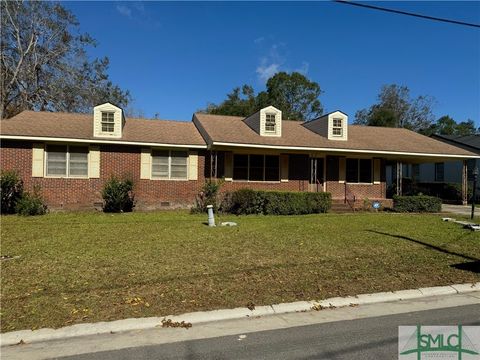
{"x":72,"y":155}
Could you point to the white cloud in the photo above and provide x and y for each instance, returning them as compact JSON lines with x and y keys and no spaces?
{"x":266,"y":71}
{"x":124,"y":10}
{"x":304,"y":68}
{"x":259,"y":40}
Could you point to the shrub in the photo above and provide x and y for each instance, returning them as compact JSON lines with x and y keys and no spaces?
{"x":246,"y":201}
{"x":419,"y":203}
{"x":11,"y":189}
{"x":31,"y":204}
{"x":118,"y":195}
{"x":208,"y":196}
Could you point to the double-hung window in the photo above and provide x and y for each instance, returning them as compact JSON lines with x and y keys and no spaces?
{"x":66,"y":161}
{"x":337,"y":129}
{"x":256,"y":167}
{"x":108,"y":122}
{"x":270,"y":123}
{"x":358,"y":170}
{"x":169,"y":164}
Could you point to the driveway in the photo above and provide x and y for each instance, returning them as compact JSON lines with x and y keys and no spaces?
{"x":464,"y":210}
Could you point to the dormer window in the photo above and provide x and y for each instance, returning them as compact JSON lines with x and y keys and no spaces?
{"x":337,"y":129}
{"x":108,"y":122}
{"x":270,"y":123}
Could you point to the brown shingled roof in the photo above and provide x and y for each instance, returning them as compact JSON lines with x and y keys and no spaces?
{"x":232,"y":129}
{"x":80,"y":126}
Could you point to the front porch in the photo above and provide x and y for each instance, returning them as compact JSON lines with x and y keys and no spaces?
{"x":352,"y":178}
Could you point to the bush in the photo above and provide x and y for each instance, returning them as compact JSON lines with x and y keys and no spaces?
{"x":31,"y":204}
{"x":419,"y":203}
{"x":11,"y":189}
{"x":208,"y":196}
{"x":246,"y":201}
{"x":118,"y":195}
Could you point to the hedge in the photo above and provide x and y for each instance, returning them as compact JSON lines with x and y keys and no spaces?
{"x":247,"y":201}
{"x":419,"y":203}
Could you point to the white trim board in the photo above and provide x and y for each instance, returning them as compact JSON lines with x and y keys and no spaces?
{"x":99,"y":141}
{"x":386,"y":152}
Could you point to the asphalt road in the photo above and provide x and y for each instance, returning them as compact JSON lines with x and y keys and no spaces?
{"x":368,"y":338}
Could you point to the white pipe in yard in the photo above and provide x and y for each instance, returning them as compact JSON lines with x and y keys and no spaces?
{"x":211,"y":217}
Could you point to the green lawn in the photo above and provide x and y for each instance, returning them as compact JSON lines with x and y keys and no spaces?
{"x":86,"y":267}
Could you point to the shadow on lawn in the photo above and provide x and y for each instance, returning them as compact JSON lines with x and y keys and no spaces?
{"x":430,"y":246}
{"x":473,"y":266}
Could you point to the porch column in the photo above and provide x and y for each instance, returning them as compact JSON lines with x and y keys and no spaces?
{"x":213,"y":164}
{"x":399,"y":177}
{"x":464,"y":183}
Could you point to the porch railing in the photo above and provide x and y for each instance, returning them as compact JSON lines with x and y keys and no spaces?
{"x":349,"y":197}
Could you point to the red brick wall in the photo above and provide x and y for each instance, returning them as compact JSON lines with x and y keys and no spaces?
{"x":361,"y":191}
{"x":84,"y":193}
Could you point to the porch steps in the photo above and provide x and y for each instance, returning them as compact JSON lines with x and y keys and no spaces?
{"x":338,"y":206}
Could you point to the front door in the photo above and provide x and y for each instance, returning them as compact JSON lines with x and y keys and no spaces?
{"x":316,"y":174}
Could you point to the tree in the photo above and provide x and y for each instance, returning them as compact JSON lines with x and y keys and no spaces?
{"x":293,"y":93}
{"x":395,"y":108}
{"x":448,"y":126}
{"x":44,"y":65}
{"x":236,"y":104}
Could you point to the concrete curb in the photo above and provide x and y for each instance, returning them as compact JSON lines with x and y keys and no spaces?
{"x":31,"y":336}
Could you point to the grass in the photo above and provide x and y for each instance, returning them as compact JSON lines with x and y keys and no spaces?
{"x":87,"y":267}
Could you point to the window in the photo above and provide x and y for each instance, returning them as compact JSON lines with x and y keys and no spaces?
{"x":168,"y":164}
{"x":66,"y":161}
{"x":256,"y":167}
{"x":108,"y":122}
{"x":337,"y":129}
{"x":270,"y":124}
{"x":439,"y":172}
{"x":359,"y":170}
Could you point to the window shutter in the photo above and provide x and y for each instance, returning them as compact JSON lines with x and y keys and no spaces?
{"x":284,"y":168}
{"x":94,"y":162}
{"x":376,"y":171}
{"x":193,"y":165}
{"x":38,"y":154}
{"x":228,"y":166}
{"x":145,"y":164}
{"x":342,"y":170}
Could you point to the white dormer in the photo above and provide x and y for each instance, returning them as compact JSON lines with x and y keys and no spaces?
{"x":266,"y":122}
{"x":108,"y":121}
{"x":334,"y":126}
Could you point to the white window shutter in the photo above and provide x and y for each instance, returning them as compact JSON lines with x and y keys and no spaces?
{"x":94,"y":162}
{"x":376,"y":171}
{"x":38,"y":155}
{"x":145,"y":164}
{"x":228,"y":166}
{"x":192,"y":165}
{"x":284,"y":168}
{"x":342,"y":170}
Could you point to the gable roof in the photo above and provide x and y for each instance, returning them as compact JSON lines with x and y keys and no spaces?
{"x":80,"y":126}
{"x":468,"y":142}
{"x":233,"y":130}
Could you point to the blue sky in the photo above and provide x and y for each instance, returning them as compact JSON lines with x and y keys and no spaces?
{"x":177,"y":57}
